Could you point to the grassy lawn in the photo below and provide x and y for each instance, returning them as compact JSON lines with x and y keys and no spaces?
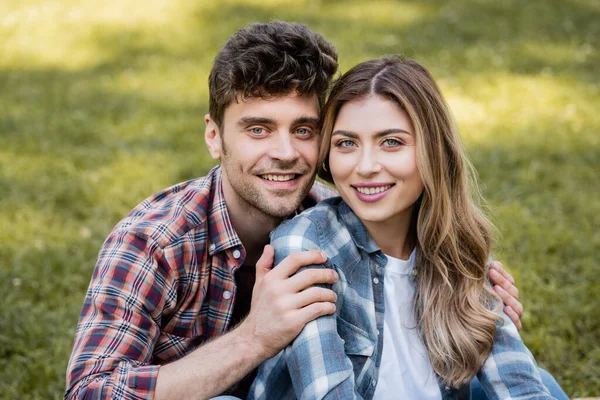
{"x":102,"y":104}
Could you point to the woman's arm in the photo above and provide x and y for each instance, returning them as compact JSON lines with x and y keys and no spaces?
{"x":510,"y":371}
{"x":314,"y":365}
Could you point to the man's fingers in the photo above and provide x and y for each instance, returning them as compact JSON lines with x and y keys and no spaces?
{"x":264,"y":263}
{"x":294,"y":261}
{"x":314,"y":295}
{"x":497,"y":265}
{"x":509,"y":301}
{"x":312,"y":276}
{"x":500,"y":280}
{"x":513,"y":316}
{"x":315,"y":310}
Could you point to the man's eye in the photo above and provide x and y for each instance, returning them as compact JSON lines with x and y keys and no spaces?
{"x":257,"y":130}
{"x":304,"y":131}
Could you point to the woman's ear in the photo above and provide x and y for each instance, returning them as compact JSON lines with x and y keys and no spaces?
{"x":212,"y":137}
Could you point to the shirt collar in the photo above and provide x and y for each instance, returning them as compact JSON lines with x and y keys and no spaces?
{"x":357,"y":230}
{"x":221,"y":234}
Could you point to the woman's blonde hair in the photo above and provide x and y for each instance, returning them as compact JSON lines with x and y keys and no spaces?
{"x":452,"y":236}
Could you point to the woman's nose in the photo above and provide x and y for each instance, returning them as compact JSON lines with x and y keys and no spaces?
{"x":368,"y":164}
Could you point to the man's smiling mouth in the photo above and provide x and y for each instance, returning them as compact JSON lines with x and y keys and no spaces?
{"x":278,"y":178}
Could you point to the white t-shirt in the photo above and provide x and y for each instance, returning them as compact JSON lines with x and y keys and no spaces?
{"x":405,"y":371}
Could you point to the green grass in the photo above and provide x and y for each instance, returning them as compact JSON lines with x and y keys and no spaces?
{"x":102,"y":104}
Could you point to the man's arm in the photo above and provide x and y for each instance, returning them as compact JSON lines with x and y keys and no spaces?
{"x":120,"y":324}
{"x":504,"y":286}
{"x":280,"y":309}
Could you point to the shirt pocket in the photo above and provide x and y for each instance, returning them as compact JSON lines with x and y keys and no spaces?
{"x":356,"y":341}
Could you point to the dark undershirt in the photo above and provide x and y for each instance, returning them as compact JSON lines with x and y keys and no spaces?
{"x":244,"y":279}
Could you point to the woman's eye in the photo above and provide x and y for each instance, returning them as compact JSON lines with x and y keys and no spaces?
{"x":345,"y":143}
{"x":390,"y":142}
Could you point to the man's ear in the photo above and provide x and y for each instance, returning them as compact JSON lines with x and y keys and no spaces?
{"x":212,"y":136}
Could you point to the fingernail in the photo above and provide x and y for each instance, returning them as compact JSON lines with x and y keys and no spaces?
{"x":493,"y":273}
{"x":324,"y":255}
{"x":499,"y":289}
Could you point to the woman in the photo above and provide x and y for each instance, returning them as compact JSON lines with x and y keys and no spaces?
{"x":415,"y":317}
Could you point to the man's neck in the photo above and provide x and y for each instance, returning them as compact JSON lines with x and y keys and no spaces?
{"x":251,"y":225}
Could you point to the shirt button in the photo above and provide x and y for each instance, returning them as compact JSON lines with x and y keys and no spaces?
{"x":343,"y":341}
{"x":236,"y":254}
{"x":377,"y":330}
{"x":447,"y":388}
{"x":376,"y":280}
{"x":373,"y":382}
{"x":227,"y":295}
{"x":213,"y":247}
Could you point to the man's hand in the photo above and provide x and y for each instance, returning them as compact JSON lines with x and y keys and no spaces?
{"x":282,"y":304}
{"x":504,"y":285}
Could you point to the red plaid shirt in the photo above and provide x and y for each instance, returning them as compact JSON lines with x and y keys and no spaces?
{"x":163,"y":284}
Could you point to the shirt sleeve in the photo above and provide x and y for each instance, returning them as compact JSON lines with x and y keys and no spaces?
{"x":510,"y":371}
{"x":314,"y":365}
{"x":119,"y":324}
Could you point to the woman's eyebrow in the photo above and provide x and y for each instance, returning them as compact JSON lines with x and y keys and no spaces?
{"x":349,"y":134}
{"x":378,"y":135}
{"x":390,"y":131}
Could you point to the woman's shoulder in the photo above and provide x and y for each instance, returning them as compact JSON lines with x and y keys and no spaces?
{"x":310,"y":225}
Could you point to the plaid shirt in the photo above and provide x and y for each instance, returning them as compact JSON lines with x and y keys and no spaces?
{"x":163,"y":284}
{"x":338,"y":356}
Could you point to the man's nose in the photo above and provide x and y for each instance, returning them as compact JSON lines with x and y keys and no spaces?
{"x":368,"y":164}
{"x":283,"y":147}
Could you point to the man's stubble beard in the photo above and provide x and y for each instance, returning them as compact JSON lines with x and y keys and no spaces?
{"x":275,"y":206}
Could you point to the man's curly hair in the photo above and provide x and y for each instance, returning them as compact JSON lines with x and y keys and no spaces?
{"x":270,"y":60}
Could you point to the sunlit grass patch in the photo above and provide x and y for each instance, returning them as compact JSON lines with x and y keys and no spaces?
{"x":102,"y":104}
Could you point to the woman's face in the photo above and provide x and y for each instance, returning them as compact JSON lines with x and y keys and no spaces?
{"x":373,"y":160}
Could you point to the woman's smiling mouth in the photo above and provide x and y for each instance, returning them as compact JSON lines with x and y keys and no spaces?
{"x":371,"y":192}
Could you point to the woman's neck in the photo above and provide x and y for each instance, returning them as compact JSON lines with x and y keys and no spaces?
{"x":393,"y":235}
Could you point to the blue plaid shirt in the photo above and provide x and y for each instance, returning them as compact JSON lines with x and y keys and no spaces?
{"x":338,"y":356}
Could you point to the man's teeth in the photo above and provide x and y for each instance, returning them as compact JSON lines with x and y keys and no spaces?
{"x":278,"y":178}
{"x":373,"y":190}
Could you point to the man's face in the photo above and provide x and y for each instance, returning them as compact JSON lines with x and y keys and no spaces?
{"x":268,"y":151}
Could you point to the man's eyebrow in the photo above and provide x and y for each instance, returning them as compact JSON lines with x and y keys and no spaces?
{"x":307,"y":120}
{"x":255,"y":120}
{"x":269,"y":121}
{"x":378,"y":135}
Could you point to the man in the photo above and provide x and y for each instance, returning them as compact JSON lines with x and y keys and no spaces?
{"x":182,"y":302}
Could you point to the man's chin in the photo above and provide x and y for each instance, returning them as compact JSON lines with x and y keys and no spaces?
{"x":282,"y":208}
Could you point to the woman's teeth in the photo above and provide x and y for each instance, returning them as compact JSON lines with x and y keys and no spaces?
{"x":372,"y":190}
{"x":278,"y":178}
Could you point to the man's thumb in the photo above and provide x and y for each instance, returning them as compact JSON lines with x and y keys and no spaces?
{"x":265,"y":262}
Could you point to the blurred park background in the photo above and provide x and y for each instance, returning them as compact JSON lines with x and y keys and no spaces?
{"x":102,"y":104}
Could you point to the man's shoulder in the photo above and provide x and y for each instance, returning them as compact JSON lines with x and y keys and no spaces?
{"x":170,"y":213}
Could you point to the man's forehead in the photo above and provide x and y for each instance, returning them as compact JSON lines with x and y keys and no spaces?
{"x":275,"y":107}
